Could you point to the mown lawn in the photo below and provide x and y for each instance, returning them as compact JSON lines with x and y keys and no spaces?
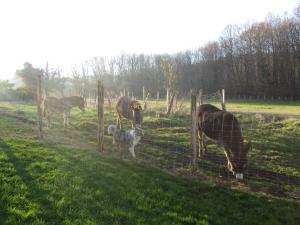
{"x":63,"y":180}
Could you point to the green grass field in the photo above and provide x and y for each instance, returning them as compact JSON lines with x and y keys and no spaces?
{"x":63,"y":180}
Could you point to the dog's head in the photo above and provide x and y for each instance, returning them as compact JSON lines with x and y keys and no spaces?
{"x":112,"y":129}
{"x":136,"y":135}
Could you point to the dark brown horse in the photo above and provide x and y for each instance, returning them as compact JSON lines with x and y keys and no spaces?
{"x":223,"y":127}
{"x":131,"y":110}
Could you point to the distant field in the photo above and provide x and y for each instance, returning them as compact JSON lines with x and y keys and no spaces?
{"x":63,"y":180}
{"x":284,"y":108}
{"x":277,"y":108}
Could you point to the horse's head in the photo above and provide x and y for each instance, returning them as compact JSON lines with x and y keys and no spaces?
{"x":238,"y":160}
{"x":137,"y":112}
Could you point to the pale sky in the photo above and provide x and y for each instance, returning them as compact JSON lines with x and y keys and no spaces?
{"x":65,"y":33}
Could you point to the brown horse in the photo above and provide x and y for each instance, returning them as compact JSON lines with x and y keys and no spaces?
{"x":223,"y":127}
{"x":129,"y":109}
{"x":61,"y":106}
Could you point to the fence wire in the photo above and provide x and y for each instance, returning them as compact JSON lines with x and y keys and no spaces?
{"x":273,"y":161}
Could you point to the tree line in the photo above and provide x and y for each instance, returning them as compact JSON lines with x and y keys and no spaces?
{"x":258,"y":59}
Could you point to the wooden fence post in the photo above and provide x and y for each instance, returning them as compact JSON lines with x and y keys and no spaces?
{"x":109,"y":99}
{"x":194,"y":127}
{"x":221,"y":94}
{"x":100,"y":135}
{"x":170,"y":106}
{"x":144,"y":94}
{"x":168,"y":99}
{"x":175,"y":103}
{"x":223,"y":100}
{"x":145,"y":101}
{"x":200,"y":97}
{"x":39,"y":108}
{"x":157,"y":98}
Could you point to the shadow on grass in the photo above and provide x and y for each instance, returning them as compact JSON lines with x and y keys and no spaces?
{"x":36,"y":194}
{"x":17,"y":117}
{"x":132,"y":193}
{"x":100,"y":190}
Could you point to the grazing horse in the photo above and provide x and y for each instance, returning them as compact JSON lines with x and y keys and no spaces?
{"x":130,"y":109}
{"x":61,"y":106}
{"x":223,"y":127}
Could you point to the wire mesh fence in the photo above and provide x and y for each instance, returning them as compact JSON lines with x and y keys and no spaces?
{"x":273,"y":162}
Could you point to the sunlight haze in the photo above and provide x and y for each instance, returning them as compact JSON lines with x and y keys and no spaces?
{"x":65,"y":33}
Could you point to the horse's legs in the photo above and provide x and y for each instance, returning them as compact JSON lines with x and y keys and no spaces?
{"x":204,"y":140}
{"x":119,"y":121}
{"x":65,"y":117}
{"x":68,"y":117}
{"x":200,"y":142}
{"x":48,"y":121}
{"x":48,"y":117}
{"x":227,"y":154}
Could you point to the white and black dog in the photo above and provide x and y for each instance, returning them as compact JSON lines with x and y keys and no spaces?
{"x":130,"y":137}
